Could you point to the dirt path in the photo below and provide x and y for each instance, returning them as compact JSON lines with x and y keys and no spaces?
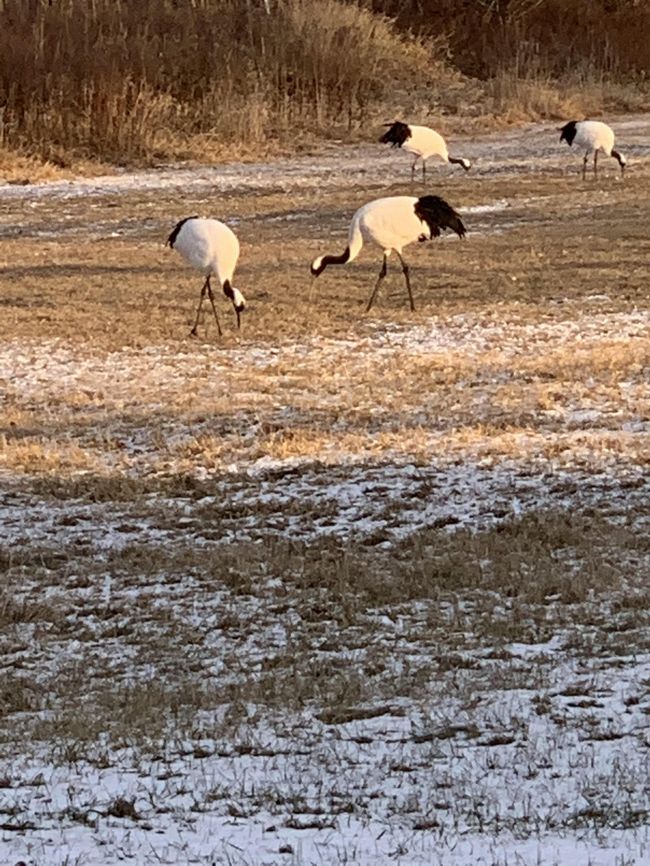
{"x":533,"y":148}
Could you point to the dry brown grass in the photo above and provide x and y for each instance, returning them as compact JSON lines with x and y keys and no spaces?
{"x":21,"y":168}
{"x":35,"y":455}
{"x":128,"y":82}
{"x":93,"y":295}
{"x":534,"y":36}
{"x":527,"y":58}
{"x":151,"y":80}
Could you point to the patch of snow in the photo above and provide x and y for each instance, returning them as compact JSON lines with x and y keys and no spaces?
{"x":418,"y":787}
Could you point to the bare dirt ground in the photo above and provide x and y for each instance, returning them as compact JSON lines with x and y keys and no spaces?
{"x":340,"y":588}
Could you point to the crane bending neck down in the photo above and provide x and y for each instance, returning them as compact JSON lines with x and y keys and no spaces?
{"x":392,"y":223}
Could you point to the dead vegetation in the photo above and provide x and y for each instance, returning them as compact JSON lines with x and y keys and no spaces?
{"x":128,"y":81}
{"x":152,"y":80}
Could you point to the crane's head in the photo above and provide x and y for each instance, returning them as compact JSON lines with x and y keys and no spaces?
{"x":238,"y":300}
{"x":622,"y":161}
{"x":321,"y":262}
{"x":317,"y":266}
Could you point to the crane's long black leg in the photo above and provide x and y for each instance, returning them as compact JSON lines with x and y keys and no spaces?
{"x":424,"y":170}
{"x":204,"y":289}
{"x":413,"y":170}
{"x":405,"y":271}
{"x":214,"y":309}
{"x":595,"y":163}
{"x":584,"y":166}
{"x":382,"y":274}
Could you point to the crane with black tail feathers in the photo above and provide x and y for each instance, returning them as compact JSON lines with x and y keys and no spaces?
{"x":211,"y":247}
{"x":393,"y":223}
{"x":594,"y":136}
{"x":423,"y":143}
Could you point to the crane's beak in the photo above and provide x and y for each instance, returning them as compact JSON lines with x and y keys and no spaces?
{"x":310,"y":296}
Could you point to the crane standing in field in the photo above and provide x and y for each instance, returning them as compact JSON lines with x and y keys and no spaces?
{"x":593,"y":136}
{"x":423,"y":142}
{"x":393,"y":223}
{"x":211,"y":247}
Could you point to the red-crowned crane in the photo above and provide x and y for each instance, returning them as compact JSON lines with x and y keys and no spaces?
{"x":423,"y":142}
{"x":393,"y":223}
{"x":593,"y":136}
{"x":211,"y":247}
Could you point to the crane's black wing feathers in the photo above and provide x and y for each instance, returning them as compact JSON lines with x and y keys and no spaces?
{"x":171,"y":240}
{"x":568,"y":132}
{"x":438,"y":215}
{"x":397,"y":134}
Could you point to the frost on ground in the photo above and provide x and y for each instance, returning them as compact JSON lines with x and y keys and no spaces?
{"x":427,"y":734}
{"x":341,"y":589}
{"x":553,"y":777}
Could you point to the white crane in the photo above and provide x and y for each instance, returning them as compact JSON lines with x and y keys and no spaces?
{"x":392,"y":223}
{"x":593,"y":136}
{"x":213,"y":248}
{"x":423,"y":142}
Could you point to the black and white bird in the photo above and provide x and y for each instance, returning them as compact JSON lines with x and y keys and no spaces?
{"x":392,"y":223}
{"x":211,"y":247}
{"x":421,"y":141}
{"x":594,"y":136}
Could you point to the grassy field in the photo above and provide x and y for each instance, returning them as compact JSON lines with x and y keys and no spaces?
{"x":339,"y":588}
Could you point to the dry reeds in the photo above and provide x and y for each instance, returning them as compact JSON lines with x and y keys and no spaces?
{"x":125,"y":79}
{"x":554,"y":37}
{"x":540,"y":58}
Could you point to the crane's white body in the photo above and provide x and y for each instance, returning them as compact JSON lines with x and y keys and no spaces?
{"x":390,"y":223}
{"x":212,"y":248}
{"x":425,"y":143}
{"x":209,"y":246}
{"x":594,"y":135}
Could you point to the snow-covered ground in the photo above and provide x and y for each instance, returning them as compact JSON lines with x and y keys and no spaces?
{"x":536,"y":755}
{"x":588,"y":450}
{"x":384,"y":790}
{"x":556,"y":775}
